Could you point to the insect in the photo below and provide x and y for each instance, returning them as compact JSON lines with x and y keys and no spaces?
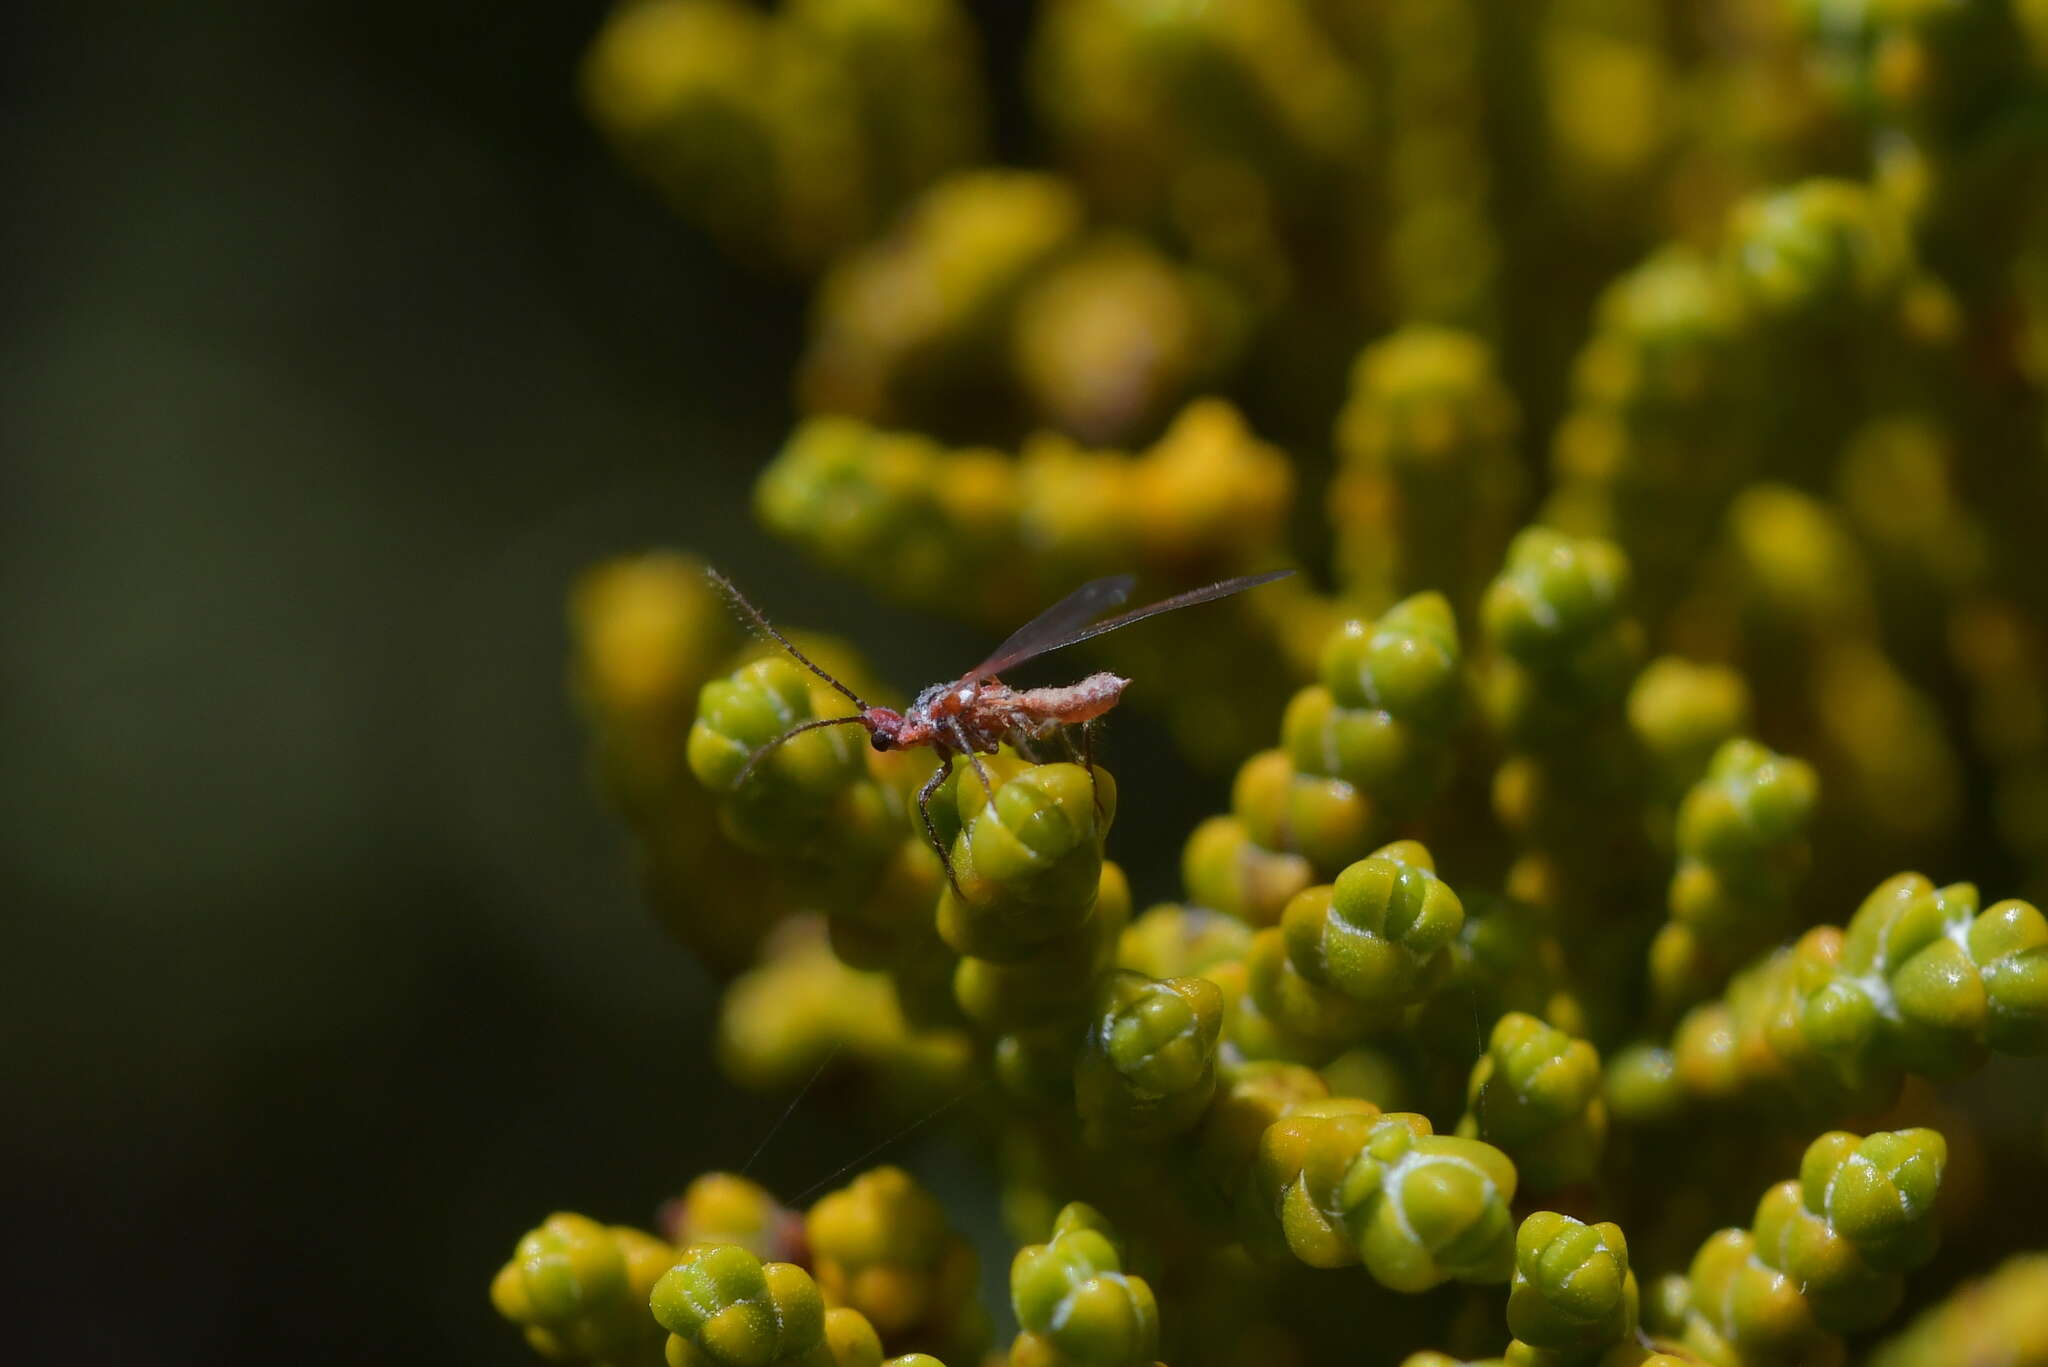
{"x":976,"y":713}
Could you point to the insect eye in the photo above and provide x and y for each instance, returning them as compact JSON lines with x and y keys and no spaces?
{"x":879,"y":741}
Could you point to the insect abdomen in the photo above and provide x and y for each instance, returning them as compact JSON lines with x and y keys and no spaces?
{"x":1075,"y":703}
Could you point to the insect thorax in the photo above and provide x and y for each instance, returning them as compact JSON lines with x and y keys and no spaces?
{"x":977,"y":713}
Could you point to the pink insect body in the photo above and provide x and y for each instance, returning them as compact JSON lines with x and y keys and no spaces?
{"x":984,"y":715}
{"x":978,"y":713}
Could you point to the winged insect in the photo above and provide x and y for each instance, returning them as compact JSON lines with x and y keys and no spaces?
{"x":977,"y":713}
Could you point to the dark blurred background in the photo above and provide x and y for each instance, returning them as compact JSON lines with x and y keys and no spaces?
{"x":335,"y":346}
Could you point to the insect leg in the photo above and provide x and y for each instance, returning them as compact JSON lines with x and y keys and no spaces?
{"x":924,"y":810}
{"x":1025,"y":742}
{"x":980,"y":771}
{"x":1088,"y":763}
{"x":1084,"y":755}
{"x":1067,"y":743}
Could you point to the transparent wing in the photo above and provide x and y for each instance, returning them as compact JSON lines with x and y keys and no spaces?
{"x":1048,"y":630}
{"x":1017,"y":650}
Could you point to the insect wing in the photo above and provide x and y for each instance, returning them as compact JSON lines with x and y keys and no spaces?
{"x":1054,"y":627}
{"x":1012,"y":654}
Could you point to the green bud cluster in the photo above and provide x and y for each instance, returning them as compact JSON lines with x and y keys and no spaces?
{"x":1921,"y":981}
{"x":1148,"y":1067}
{"x":992,"y":281}
{"x":724,"y":1307}
{"x":1364,"y":748}
{"x":1996,"y":1319}
{"x":1218,"y":122}
{"x":1831,"y":264}
{"x":1226,"y":866}
{"x":1348,"y":958}
{"x":831,"y":810}
{"x":1444,"y":253}
{"x":881,"y":1246}
{"x":1650,"y":450}
{"x":1899,"y":784}
{"x":1038,"y":913}
{"x":897,"y":509}
{"x":1804,"y":615}
{"x":1535,"y":1094}
{"x":1430,"y":482}
{"x":976,"y":532}
{"x":1300,"y":1159}
{"x":1337,"y":1183}
{"x":647,"y":633}
{"x":1563,"y":650}
{"x":1825,"y":1256}
{"x":1799,"y":574}
{"x":1172,"y":941}
{"x":1076,"y":1304}
{"x":803,"y":1007}
{"x":794,"y":795}
{"x":1741,"y":854}
{"x":1054,"y":984}
{"x":1573,"y":1302}
{"x":724,"y":1208}
{"x":1899,"y":487}
{"x":1680,"y":398}
{"x":1380,"y":718}
{"x":1381,"y":932}
{"x":1927,"y":978}
{"x":1681,"y":713}
{"x":1823,"y":253}
{"x":979,"y":534}
{"x":1573,"y":1297}
{"x":787,"y":135}
{"x":1105,"y":340}
{"x":579,"y":1291}
{"x":1027,"y":855}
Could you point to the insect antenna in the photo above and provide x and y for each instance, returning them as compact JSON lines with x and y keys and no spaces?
{"x":767,"y":628}
{"x":754,"y":760}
